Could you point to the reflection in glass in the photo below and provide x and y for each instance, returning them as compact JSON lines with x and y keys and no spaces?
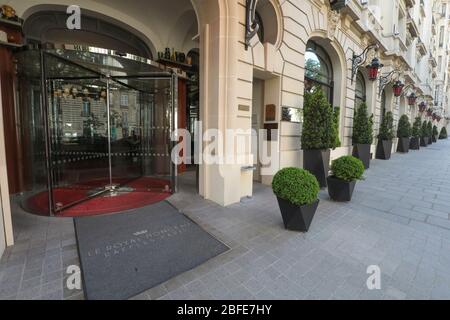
{"x":318,"y":70}
{"x":360,"y":89}
{"x":291,"y":114}
{"x":93,"y":147}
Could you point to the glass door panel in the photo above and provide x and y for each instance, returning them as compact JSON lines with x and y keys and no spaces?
{"x":141,"y":115}
{"x":79,"y":140}
{"x":125,"y":133}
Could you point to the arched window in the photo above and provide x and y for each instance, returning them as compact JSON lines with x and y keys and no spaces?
{"x":266,"y":17}
{"x":383,"y":105}
{"x":360,"y":89}
{"x":318,"y":70}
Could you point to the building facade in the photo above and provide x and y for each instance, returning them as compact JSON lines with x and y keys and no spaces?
{"x":255,"y":77}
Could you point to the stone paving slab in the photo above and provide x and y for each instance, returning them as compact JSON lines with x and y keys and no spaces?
{"x":398,"y":220}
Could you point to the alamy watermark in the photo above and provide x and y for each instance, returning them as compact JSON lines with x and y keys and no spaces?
{"x":374,"y":280}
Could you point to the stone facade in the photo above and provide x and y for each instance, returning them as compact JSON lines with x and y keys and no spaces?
{"x":273,"y":65}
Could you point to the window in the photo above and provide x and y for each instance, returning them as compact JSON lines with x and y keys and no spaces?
{"x":440,"y":63}
{"x":360,"y":89}
{"x":383,"y":105}
{"x":124,"y":100}
{"x":441,"y":37}
{"x":318,"y":70}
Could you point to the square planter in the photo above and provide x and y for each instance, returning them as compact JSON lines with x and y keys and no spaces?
{"x":414,"y":144}
{"x":384,"y":149}
{"x":318,"y":163}
{"x":424,"y":142}
{"x":362,"y":152}
{"x":430,"y":140}
{"x":340,"y":190}
{"x":434,"y":139}
{"x":297,"y":218}
{"x":403,"y":145}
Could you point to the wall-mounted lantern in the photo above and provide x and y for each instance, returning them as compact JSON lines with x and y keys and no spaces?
{"x":398,"y":88}
{"x":412,"y":98}
{"x":385,"y":79}
{"x":358,"y":61}
{"x":422,"y":107}
{"x":373,"y":69}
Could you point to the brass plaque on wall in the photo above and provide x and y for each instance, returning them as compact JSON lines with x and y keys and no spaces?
{"x":270,"y":113}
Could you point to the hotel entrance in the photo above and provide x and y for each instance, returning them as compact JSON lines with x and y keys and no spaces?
{"x":96,"y":130}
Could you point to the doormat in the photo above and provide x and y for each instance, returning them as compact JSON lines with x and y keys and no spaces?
{"x":124,"y":254}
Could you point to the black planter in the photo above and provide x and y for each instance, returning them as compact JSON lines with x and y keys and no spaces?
{"x":384,"y":149}
{"x":317,"y":162}
{"x":424,"y":142}
{"x":362,"y":152}
{"x":403,"y":145}
{"x":430,"y":140}
{"x":297,"y":218}
{"x":414,"y":144}
{"x":434,"y":139}
{"x":340,"y":190}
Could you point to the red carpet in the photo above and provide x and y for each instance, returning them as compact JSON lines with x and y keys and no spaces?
{"x":146,"y":191}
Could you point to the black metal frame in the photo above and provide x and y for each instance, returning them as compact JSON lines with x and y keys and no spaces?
{"x":385,"y":80}
{"x":329,"y":64}
{"x":364,"y":97}
{"x":359,"y":60}
{"x":405,"y":89}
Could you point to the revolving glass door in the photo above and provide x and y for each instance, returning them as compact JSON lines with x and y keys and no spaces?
{"x":105,"y":132}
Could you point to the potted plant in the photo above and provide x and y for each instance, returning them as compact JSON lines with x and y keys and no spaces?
{"x":424,"y":135}
{"x":296,"y":190}
{"x":443,"y":133}
{"x":346,"y":171}
{"x":384,"y":146}
{"x":435,"y":133}
{"x":430,"y":132}
{"x":403,"y":134}
{"x":362,"y":136}
{"x":317,"y":134}
{"x":415,"y":135}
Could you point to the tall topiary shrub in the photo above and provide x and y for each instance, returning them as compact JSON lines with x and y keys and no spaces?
{"x":387,"y":127}
{"x":335,"y":141}
{"x":443,"y":133}
{"x":429,"y":129}
{"x":362,"y":126}
{"x":317,"y":130}
{"x":416,"y":129}
{"x":404,"y":127}
{"x":424,"y":130}
{"x":435,"y":131}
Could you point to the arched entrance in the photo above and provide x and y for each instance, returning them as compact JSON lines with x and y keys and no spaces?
{"x":47,"y":26}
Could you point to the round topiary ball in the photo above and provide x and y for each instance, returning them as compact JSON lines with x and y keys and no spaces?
{"x":296,"y":185}
{"x":347,"y":168}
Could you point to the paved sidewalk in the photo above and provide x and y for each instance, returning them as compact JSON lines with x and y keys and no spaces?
{"x":398,"y":220}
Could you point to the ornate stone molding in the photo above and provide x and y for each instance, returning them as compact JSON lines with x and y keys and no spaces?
{"x":333,"y":20}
